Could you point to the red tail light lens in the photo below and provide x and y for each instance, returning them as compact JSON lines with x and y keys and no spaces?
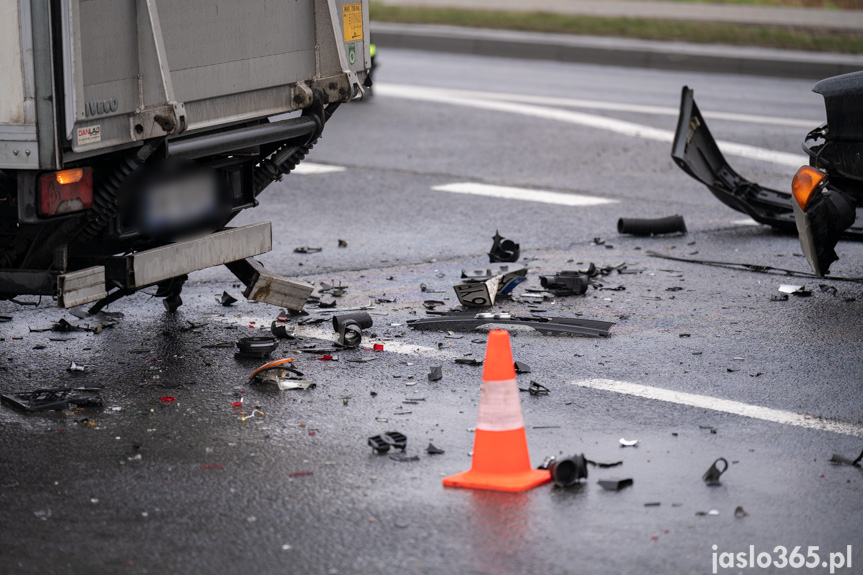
{"x":65,"y":191}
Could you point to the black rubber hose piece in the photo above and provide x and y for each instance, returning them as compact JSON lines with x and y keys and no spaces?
{"x":651,"y":227}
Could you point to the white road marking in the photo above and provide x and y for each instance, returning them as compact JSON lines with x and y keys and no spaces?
{"x":745,"y":222}
{"x":486,"y":101}
{"x":523,"y":194}
{"x":723,"y":405}
{"x":312,"y":169}
{"x":636,"y":108}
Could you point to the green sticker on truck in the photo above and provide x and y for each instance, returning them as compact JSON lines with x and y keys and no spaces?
{"x":352,"y":53}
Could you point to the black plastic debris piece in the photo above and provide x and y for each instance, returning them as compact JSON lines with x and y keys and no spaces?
{"x":711,"y":476}
{"x":651,"y":227}
{"x":481,"y":287}
{"x":382,"y":443}
{"x":603,"y":464}
{"x":740,"y":513}
{"x":828,"y":289}
{"x":432,"y":450}
{"x":5,"y":318}
{"x":402,"y":458}
{"x":307,"y":250}
{"x":468,"y":361}
{"x":257,"y":347}
{"x":614,"y":484}
{"x":436,"y":373}
{"x":536,"y":388}
{"x":653,"y":504}
{"x":343,"y":244}
{"x":568,"y":471}
{"x":227,"y":299}
{"x":780,"y":297}
{"x":456,"y":321}
{"x":566,"y":283}
{"x":838,"y":459}
{"x":282,"y":331}
{"x":54,"y":399}
{"x":327,"y":304}
{"x":503,"y":250}
{"x":350,"y":327}
{"x":521,"y":367}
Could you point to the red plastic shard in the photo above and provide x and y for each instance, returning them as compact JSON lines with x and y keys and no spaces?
{"x":326,"y":358}
{"x":379,"y":347}
{"x":300,"y":473}
{"x":169,"y":399}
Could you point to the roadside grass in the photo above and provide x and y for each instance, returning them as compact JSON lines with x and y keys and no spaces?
{"x":647,"y":29}
{"x":829,"y":4}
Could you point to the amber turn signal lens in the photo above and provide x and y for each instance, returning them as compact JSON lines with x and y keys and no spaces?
{"x":70,"y":176}
{"x":807,"y":181}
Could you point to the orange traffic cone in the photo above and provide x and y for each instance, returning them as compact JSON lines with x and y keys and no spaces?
{"x":500,"y":458}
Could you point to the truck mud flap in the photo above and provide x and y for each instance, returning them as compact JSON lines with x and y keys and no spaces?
{"x":697,"y":154}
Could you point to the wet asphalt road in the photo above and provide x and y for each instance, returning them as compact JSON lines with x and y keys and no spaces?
{"x":195,"y":485}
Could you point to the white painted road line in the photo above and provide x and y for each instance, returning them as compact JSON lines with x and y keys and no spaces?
{"x":471,"y":100}
{"x":523,"y":194}
{"x":723,"y":405}
{"x":745,"y":222}
{"x":636,"y":108}
{"x":312,"y":169}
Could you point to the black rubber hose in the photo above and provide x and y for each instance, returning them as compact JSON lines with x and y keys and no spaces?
{"x":651,"y":227}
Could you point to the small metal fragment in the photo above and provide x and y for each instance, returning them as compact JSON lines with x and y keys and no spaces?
{"x":614,"y":484}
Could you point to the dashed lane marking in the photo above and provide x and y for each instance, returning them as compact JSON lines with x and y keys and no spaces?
{"x":312,"y":169}
{"x":723,"y":405}
{"x":523,"y":194}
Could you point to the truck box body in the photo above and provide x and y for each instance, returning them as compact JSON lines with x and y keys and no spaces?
{"x":88,"y":84}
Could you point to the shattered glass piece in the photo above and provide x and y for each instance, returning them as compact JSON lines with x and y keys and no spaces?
{"x":795,"y":290}
{"x":627,"y":442}
{"x":75,"y":367}
{"x":288,"y":383}
{"x":614,"y":484}
{"x":54,"y":399}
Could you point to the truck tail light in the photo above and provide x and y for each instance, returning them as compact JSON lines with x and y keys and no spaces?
{"x":807,"y":181}
{"x":65,"y":191}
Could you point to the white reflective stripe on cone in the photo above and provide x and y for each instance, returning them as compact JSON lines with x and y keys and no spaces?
{"x":499,"y":406}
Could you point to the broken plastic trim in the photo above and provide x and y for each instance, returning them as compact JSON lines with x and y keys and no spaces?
{"x":503,"y":250}
{"x":566,"y":283}
{"x":256,"y":347}
{"x":350,"y":327}
{"x":54,"y":399}
{"x":544,"y":325}
{"x":381,"y":443}
{"x":568,"y":471}
{"x":712,"y":475}
{"x":696,"y":153}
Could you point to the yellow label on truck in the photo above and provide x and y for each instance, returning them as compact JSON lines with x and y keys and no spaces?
{"x":352,"y":21}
